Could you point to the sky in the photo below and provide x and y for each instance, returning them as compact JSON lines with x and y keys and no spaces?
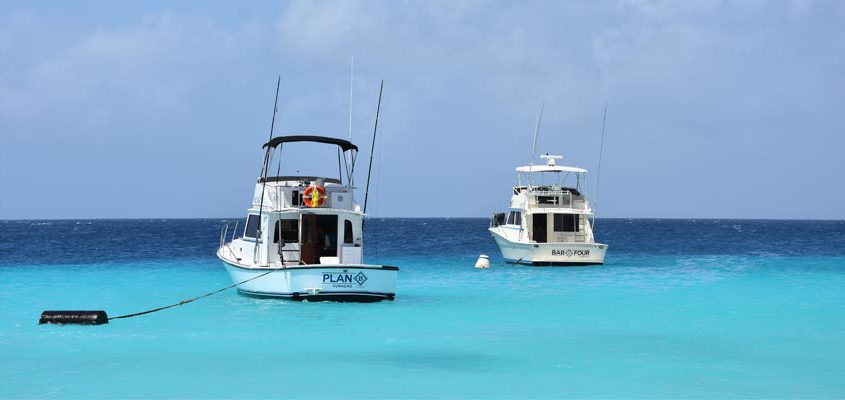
{"x":154,"y":109}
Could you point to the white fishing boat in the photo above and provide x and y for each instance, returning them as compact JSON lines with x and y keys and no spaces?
{"x":315,"y":241}
{"x":548,"y":223}
{"x":304,"y":235}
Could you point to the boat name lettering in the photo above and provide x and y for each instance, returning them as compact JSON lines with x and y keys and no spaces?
{"x":344,"y":279}
{"x":570,"y":253}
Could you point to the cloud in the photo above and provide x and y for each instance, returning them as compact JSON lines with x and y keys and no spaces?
{"x":152,"y":67}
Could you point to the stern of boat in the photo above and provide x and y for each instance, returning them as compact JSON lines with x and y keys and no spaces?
{"x":316,"y":282}
{"x":550,"y":254}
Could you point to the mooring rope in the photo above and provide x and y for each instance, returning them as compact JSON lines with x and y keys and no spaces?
{"x":520,"y":259}
{"x":191,"y":299}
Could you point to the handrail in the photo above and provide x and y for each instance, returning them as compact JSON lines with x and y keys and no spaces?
{"x":553,"y":192}
{"x":223,"y":231}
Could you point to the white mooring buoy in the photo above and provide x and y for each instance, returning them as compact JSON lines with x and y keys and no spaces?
{"x":483,"y":261}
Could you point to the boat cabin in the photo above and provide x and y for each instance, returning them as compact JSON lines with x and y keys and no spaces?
{"x":305,"y":237}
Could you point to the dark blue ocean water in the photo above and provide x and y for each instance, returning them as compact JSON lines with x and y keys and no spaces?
{"x":682,"y":308}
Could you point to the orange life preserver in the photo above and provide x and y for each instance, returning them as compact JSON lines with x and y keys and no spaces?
{"x":314,"y":196}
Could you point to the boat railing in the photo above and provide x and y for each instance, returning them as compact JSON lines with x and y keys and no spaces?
{"x":556,"y":199}
{"x":224,"y":231}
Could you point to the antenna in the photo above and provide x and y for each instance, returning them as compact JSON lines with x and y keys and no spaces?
{"x":598,"y":173}
{"x":266,"y":161}
{"x":534,"y":145}
{"x":373,"y":147}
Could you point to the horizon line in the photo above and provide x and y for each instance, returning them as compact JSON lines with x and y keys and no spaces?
{"x":394,"y":217}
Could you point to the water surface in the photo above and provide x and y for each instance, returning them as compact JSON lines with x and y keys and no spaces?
{"x":682,"y":309}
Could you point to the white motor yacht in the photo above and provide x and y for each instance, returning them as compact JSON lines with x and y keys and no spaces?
{"x":548,"y":224}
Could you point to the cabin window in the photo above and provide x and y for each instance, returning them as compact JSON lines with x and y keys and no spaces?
{"x":547,"y":199}
{"x":567,"y":222}
{"x":253,"y":224}
{"x":294,"y":198}
{"x":347,"y":231}
{"x":288,"y":229}
{"x":515,"y":218}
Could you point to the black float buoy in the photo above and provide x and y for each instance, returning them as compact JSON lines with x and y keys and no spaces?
{"x":74,"y":317}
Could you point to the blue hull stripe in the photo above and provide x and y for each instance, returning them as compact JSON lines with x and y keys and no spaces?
{"x":321,"y":293}
{"x":552,"y":263}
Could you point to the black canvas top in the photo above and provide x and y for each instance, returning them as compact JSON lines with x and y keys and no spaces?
{"x":344,"y":144}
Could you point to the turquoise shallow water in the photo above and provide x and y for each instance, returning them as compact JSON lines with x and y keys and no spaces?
{"x":715,"y":309}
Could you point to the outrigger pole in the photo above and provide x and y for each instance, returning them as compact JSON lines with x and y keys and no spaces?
{"x":373,"y":147}
{"x":598,"y":174}
{"x":350,"y":169}
{"x":266,"y":161}
{"x":351,"y":82}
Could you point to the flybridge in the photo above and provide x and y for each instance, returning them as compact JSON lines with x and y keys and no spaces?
{"x":275,"y":193}
{"x":555,"y":192}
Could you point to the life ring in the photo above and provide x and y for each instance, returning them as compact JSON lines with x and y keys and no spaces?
{"x":314,"y":196}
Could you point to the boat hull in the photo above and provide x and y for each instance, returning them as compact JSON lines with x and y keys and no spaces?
{"x":551,"y":254}
{"x":318,"y":282}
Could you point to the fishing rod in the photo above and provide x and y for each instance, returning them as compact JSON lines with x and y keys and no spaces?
{"x":373,"y":147}
{"x":534,"y":144}
{"x":351,"y":81}
{"x":266,"y":166}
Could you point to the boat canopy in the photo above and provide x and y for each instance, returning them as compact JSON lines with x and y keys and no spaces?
{"x":289,"y":178}
{"x":343,"y":144}
{"x":550,"y":168}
